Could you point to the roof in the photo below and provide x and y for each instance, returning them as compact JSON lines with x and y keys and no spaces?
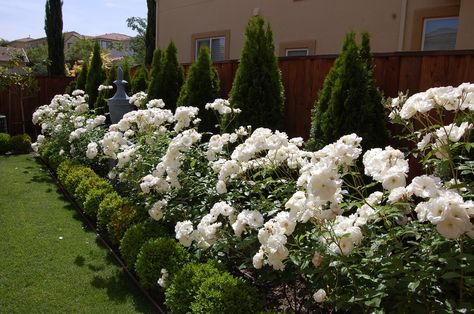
{"x":26,"y":39}
{"x":7,"y":53}
{"x":114,"y":36}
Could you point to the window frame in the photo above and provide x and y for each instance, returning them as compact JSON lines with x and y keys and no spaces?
{"x":309,"y":45}
{"x":209,"y":39}
{"x":297,"y":49}
{"x":419,"y":17}
{"x":210,"y":35}
{"x":422,"y":47}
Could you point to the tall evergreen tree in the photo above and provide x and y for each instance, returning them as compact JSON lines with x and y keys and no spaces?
{"x":126,"y":76}
{"x":171,"y":78}
{"x":82,"y":78}
{"x":53,"y":26}
{"x":150,"y":34}
{"x":349,"y":91}
{"x":95,"y":75}
{"x":156,"y":68}
{"x":257,"y":88}
{"x":140,"y":80}
{"x":201,"y":86}
{"x":101,"y":102}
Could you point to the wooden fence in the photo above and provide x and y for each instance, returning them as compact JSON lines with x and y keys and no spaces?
{"x":10,"y":100}
{"x":303,"y":77}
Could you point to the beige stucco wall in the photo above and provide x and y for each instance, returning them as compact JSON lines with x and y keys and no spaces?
{"x":465,"y":38}
{"x":391,"y":23}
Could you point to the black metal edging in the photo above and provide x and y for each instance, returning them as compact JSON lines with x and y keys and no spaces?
{"x":92,"y":227}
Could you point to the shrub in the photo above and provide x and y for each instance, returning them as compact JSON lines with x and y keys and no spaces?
{"x":223,"y":293}
{"x":95,"y":75}
{"x":158,"y":254}
{"x":20,"y":144}
{"x":55,"y":160}
{"x":64,"y":168}
{"x":153,"y":87}
{"x":75,"y":176}
{"x":111,"y":203}
{"x":83,"y":188}
{"x":126,"y":76}
{"x":94,"y":198}
{"x":136,"y":236}
{"x":257,"y":88}
{"x":82,"y":78}
{"x":140,"y":80}
{"x":101,"y":102}
{"x":201,"y":87}
{"x":171,"y":78}
{"x":121,"y":220}
{"x":186,"y":283}
{"x":349,"y":91}
{"x":5,"y":145}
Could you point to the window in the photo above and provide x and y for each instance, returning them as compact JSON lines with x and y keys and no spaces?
{"x":297,"y":48}
{"x":216,"y":46}
{"x":217,"y":42}
{"x":439,"y":33}
{"x":296,"y":52}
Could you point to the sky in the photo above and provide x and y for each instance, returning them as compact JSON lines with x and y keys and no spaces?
{"x":23,"y":18}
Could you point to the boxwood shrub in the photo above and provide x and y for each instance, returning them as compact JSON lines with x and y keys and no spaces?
{"x":186,"y":283}
{"x":122,"y":219}
{"x":5,"y":145}
{"x":223,"y":293}
{"x":65,"y":168}
{"x":158,"y":254}
{"x":136,"y":236}
{"x":94,"y":199}
{"x":111,"y":203}
{"x":75,"y":176}
{"x":21,"y":144}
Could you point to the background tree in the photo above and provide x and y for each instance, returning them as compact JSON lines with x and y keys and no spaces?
{"x":139,"y":25}
{"x":38,"y":57}
{"x":4,"y":42}
{"x":101,"y":102}
{"x":171,"y":78}
{"x":126,"y":75}
{"x":150,"y":34}
{"x":140,"y":80}
{"x":349,"y":91}
{"x":201,"y":86}
{"x":81,"y":49}
{"x":82,"y":77}
{"x":257,"y":88}
{"x":95,"y":75}
{"x":54,"y":33}
{"x":156,"y":67}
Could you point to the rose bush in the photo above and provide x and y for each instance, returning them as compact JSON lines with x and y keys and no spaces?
{"x":335,"y":229}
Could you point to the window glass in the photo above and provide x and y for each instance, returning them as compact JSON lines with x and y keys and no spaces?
{"x":440,"y":33}
{"x":216,"y":46}
{"x":296,"y":52}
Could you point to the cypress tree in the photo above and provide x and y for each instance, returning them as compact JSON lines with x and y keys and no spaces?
{"x":126,"y":76}
{"x":201,"y":86}
{"x":155,"y":73}
{"x":82,"y":77}
{"x":53,"y":26}
{"x":150,"y":33}
{"x":101,"y":102}
{"x":349,"y":101}
{"x":171,"y":78}
{"x":257,"y":88}
{"x":95,"y":75}
{"x":140,"y":80}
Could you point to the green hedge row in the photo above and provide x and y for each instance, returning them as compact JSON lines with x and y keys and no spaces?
{"x":17,"y":144}
{"x":148,"y":247}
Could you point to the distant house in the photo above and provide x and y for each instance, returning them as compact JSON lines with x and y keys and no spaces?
{"x":308,"y":27}
{"x":8,"y":54}
{"x":119,"y":45}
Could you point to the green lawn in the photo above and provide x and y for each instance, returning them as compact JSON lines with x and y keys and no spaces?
{"x":49,"y":261}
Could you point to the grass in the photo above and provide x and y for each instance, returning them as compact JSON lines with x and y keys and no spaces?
{"x":49,"y":261}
